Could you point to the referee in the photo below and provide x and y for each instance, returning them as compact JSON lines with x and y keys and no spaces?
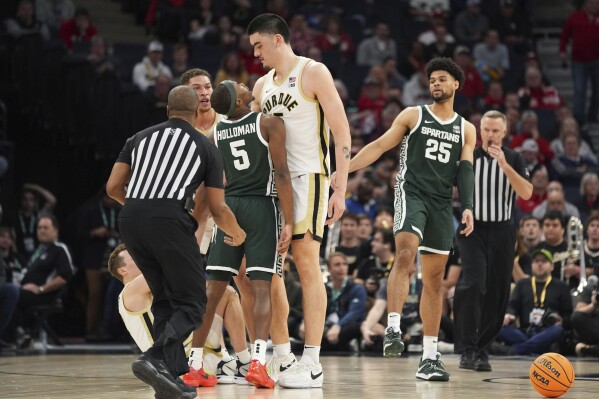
{"x":482,"y":292}
{"x":156,"y":176}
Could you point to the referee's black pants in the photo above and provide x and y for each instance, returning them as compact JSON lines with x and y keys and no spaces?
{"x":159,"y":236}
{"x":483,"y":290}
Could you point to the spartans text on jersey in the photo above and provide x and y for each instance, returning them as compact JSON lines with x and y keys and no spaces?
{"x":440,"y":134}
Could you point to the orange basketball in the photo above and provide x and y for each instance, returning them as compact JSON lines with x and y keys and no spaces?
{"x":551,"y":375}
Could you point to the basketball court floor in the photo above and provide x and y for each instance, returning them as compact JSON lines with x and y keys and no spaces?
{"x":96,"y":376}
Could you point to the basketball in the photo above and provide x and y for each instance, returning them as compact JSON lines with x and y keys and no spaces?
{"x":551,"y":375}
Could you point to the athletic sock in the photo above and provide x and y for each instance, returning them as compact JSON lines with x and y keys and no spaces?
{"x":244,"y":356}
{"x":393,"y":320}
{"x":259,"y":352}
{"x":282,"y":349}
{"x":429,"y":347}
{"x":311,"y":355}
{"x":195,"y":358}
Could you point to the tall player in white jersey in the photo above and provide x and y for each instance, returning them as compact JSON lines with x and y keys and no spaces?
{"x":301,"y":92}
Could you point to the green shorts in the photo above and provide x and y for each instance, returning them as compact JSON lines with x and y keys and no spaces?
{"x":430,"y":219}
{"x":261,"y":220}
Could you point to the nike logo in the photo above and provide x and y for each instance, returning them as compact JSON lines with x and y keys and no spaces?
{"x":315,"y":376}
{"x":283,"y":368}
{"x":428,"y":121}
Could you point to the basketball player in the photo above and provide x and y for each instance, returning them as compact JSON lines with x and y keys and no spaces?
{"x":301,"y":91}
{"x":253,"y":150}
{"x":436,"y":144}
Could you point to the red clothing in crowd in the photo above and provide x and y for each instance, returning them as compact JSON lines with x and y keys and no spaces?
{"x":473,"y":84}
{"x":70,"y":34}
{"x":544,"y":97}
{"x":366,"y":103}
{"x":545,"y":152}
{"x":583,"y":30}
{"x":252,"y":64}
{"x":345,"y":45}
{"x":527,"y":206}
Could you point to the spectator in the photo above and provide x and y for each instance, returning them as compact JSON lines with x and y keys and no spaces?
{"x":535,"y":95}
{"x":279,"y":7}
{"x":346,"y":306}
{"x":374,"y":50}
{"x":180,"y":62}
{"x":424,"y":10}
{"x":530,"y":130}
{"x":293,"y":289}
{"x":16,"y":265}
{"x":348,"y":104}
{"x":349,"y":242}
{"x":315,"y":53}
{"x":364,"y":227}
{"x":54,"y":12}
{"x":362,"y":201}
{"x":302,"y":37}
{"x":334,"y":39}
{"x":556,"y":201}
{"x":9,"y":297}
{"x":441,"y":45}
{"x":77,"y":29}
{"x":373,"y":327}
{"x":232,"y":68}
{"x":582,"y":29}
{"x":371,"y":99}
{"x":147,"y":71}
{"x":157,"y":98}
{"x":529,"y":236}
{"x":591,"y":245}
{"x":470,"y":25}
{"x":530,"y":153}
{"x":99,"y":60}
{"x":416,"y":90}
{"x":415,"y":60}
{"x":25,"y":23}
{"x":539,"y":177}
{"x":585,"y":321}
{"x":511,"y":101}
{"x":589,"y":196}
{"x":570,"y":166}
{"x":569,"y":125}
{"x":253,"y":65}
{"x":393,"y":77}
{"x":492,"y":57}
{"x":241,"y":14}
{"x":542,"y":304}
{"x":223,"y":34}
{"x":494,"y":99}
{"x":473,"y":87}
{"x":380,"y":263}
{"x":512,"y":26}
{"x":513,"y":119}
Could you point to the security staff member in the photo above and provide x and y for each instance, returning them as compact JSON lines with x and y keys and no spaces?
{"x":482,"y":292}
{"x":155,"y":177}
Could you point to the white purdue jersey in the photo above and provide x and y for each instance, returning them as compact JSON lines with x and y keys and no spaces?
{"x":139,"y":324}
{"x":307,"y":140}
{"x":210,"y":130}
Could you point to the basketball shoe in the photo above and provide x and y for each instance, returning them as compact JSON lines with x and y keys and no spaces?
{"x":392,"y":344}
{"x":241,"y":372}
{"x":154,"y":372}
{"x":199,"y":378}
{"x":482,"y":362}
{"x":280,"y":364}
{"x":258,"y":376}
{"x":225,"y":371}
{"x":432,"y":370}
{"x":302,"y":375}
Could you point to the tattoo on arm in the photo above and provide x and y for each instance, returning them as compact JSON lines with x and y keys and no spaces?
{"x":346,"y":152}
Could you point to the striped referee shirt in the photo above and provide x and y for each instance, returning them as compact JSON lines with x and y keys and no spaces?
{"x":170,"y":161}
{"x":494,"y":196}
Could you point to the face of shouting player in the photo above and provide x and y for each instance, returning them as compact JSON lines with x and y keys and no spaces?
{"x":442,"y":86}
{"x":203,"y":87}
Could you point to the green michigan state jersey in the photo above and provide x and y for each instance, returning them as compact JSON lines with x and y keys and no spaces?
{"x":248,"y":166}
{"x":430,"y":152}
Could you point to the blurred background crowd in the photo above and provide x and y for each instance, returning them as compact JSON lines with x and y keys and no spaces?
{"x":77,"y":77}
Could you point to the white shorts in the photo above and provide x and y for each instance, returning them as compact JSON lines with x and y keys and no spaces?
{"x":310,"y":204}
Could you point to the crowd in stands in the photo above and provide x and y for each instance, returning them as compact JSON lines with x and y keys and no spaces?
{"x":376,"y":51}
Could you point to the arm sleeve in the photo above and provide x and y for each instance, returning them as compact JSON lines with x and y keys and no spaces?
{"x":125,"y":155}
{"x":214,"y":168}
{"x":466,"y":184}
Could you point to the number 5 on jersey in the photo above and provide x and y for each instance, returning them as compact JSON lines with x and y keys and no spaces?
{"x":244,"y":162}
{"x":435,"y":151}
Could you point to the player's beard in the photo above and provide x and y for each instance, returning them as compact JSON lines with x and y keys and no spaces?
{"x":443,"y":97}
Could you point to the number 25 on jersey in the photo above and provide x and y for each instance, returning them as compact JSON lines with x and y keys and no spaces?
{"x":436,"y":151}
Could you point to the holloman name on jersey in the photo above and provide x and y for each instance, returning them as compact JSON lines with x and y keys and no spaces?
{"x":235,"y":131}
{"x":282,"y":99}
{"x":440,"y":134}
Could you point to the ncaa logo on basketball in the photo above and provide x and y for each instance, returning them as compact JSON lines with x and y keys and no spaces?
{"x":540,"y":378}
{"x":547,"y":364}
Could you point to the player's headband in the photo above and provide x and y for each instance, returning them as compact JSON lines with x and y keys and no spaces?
{"x":231,"y":88}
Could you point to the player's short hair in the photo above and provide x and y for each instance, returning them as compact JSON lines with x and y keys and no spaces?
{"x":493,"y":114}
{"x":115,"y":262}
{"x":221,"y":99}
{"x":192,"y":73}
{"x":271,"y":24}
{"x":445,"y":64}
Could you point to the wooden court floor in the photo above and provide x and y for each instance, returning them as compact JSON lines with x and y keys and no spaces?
{"x":109,"y":376}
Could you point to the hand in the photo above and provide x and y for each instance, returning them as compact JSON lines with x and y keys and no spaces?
{"x":31,"y":288}
{"x":496,"y":153}
{"x":336,"y":207}
{"x":236,"y":240}
{"x":508,"y":319}
{"x":333,"y":334}
{"x":468,"y":220}
{"x":334,"y":181}
{"x":285,"y":240}
{"x":366,"y":334}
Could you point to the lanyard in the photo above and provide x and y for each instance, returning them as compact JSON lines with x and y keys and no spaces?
{"x":38,"y":252}
{"x":31,"y":230}
{"x":105,"y":218}
{"x":539,"y":303}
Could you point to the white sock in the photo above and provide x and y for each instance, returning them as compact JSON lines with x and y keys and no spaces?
{"x":226,"y":355}
{"x":311,"y":355}
{"x":429,"y":347}
{"x":282,"y":349}
{"x":244,"y":356}
{"x":215,"y":333}
{"x":393,"y":320}
{"x":259,"y":352}
{"x":195,"y":358}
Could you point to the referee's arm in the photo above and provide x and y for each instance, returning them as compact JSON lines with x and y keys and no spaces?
{"x":115,"y":187}
{"x":521,"y":185}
